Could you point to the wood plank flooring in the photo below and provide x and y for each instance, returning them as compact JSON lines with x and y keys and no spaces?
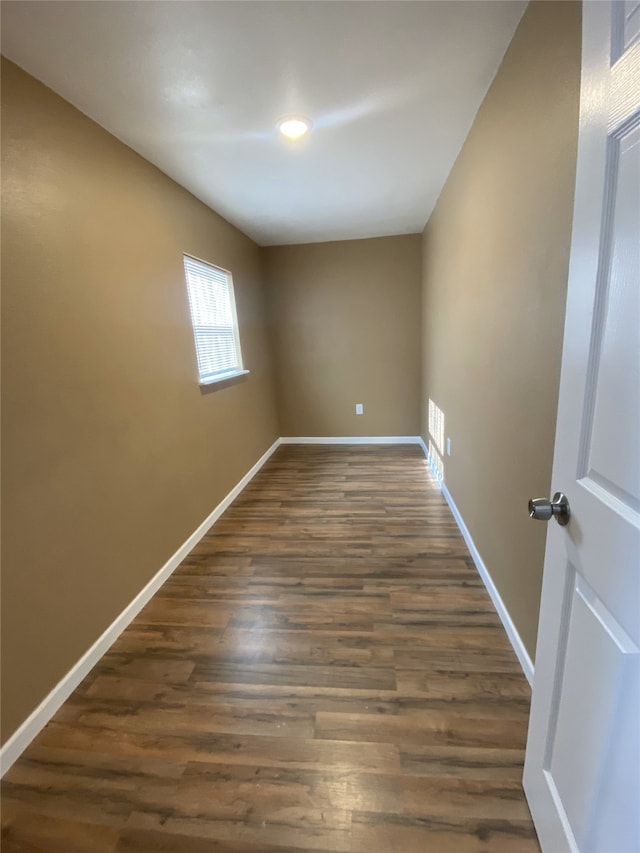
{"x":324,"y":672}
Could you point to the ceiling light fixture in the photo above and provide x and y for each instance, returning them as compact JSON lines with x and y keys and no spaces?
{"x":294,"y":127}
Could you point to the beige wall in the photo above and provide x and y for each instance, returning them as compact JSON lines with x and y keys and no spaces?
{"x":495,"y":261}
{"x":111,"y":454}
{"x":346,"y":330}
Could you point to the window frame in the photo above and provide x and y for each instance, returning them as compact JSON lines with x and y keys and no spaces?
{"x":239,"y":369}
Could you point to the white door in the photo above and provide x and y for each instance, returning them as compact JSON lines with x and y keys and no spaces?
{"x":582,"y":769}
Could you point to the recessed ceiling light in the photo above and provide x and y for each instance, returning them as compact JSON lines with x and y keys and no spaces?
{"x":293,"y":127}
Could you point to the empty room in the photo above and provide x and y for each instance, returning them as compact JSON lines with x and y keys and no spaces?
{"x":320,"y":419}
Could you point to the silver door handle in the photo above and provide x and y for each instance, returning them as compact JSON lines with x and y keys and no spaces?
{"x":542,"y":509}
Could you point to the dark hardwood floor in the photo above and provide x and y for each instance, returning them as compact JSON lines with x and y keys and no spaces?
{"x":324,"y":672}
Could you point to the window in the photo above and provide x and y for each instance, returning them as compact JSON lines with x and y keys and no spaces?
{"x":215,"y":324}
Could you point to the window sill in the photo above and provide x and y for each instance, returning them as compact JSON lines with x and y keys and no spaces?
{"x":224,"y":377}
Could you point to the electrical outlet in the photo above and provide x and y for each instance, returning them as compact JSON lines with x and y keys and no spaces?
{"x":448,"y":447}
{"x":359,"y":409}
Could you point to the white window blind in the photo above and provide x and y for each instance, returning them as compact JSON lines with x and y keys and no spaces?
{"x":213,"y":315}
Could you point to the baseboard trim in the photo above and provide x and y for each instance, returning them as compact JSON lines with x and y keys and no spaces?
{"x":37,"y":720}
{"x":507,"y":622}
{"x":512,"y":633}
{"x":352,"y":439}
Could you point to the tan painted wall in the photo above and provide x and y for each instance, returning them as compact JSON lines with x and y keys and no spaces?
{"x":346,"y":330}
{"x":495,"y":258}
{"x":111,"y":454}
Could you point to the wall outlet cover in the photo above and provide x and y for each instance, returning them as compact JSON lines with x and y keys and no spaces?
{"x":359,"y":408}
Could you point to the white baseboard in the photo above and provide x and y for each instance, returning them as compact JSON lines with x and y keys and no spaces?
{"x":352,"y":439}
{"x":516,"y":640}
{"x":512,"y":633}
{"x":36,"y":721}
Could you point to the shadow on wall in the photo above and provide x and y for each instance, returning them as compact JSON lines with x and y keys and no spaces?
{"x":436,"y":438}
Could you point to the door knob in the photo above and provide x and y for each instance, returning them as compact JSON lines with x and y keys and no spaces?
{"x":542,"y":509}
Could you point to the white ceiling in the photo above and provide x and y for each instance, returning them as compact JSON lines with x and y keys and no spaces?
{"x":197,"y":87}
